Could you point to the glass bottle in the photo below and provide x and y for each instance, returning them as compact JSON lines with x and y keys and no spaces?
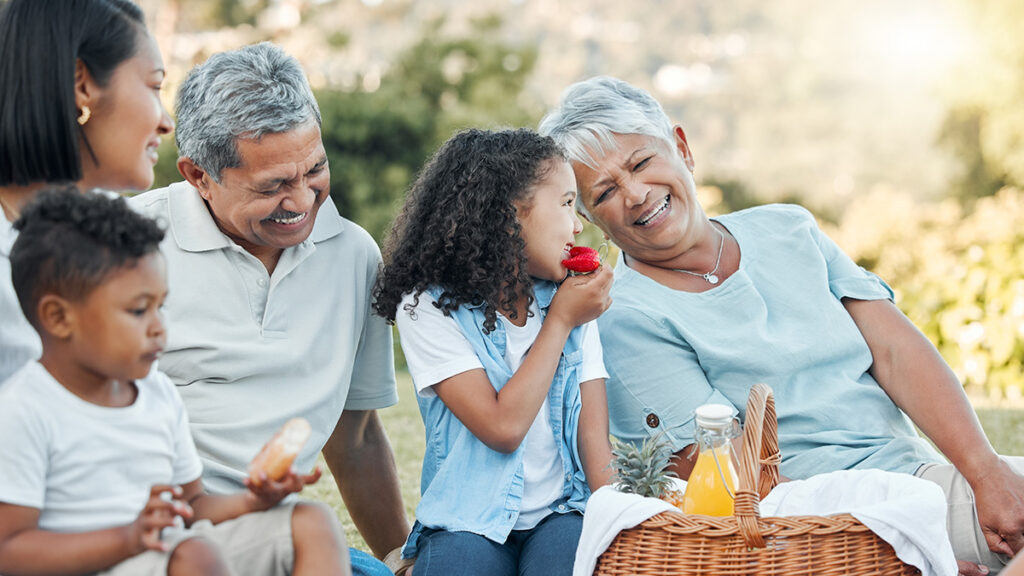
{"x":713,"y":481}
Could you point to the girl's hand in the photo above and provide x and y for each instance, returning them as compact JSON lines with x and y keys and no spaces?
{"x":581,"y":299}
{"x":160,"y":512}
{"x":270,"y":492}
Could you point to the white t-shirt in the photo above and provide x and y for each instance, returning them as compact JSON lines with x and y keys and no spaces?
{"x":88,"y":467}
{"x":250,"y":350}
{"x":19,"y":342}
{"x":435,"y":350}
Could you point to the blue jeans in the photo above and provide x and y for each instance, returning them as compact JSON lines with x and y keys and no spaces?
{"x":365,"y":565}
{"x":548,"y":549}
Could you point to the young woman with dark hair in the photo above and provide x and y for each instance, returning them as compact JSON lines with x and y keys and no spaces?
{"x":79,"y":103}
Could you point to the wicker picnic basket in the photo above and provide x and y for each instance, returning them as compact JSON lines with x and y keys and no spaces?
{"x":747,"y":544}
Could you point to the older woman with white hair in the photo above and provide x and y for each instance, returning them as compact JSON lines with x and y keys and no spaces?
{"x":703,"y":308}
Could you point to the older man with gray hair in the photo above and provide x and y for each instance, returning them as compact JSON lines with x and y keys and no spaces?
{"x":269,"y":308}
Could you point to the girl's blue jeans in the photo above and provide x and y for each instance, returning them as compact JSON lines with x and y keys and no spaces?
{"x":548,"y":549}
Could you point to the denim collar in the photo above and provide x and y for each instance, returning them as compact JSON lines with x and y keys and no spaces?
{"x":543,"y":292}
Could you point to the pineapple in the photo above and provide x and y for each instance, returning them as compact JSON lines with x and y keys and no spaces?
{"x":644,"y":470}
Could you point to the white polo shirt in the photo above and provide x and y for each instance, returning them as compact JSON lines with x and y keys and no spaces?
{"x":250,"y":350}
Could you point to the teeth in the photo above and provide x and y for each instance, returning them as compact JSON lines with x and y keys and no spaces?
{"x":661,"y":209}
{"x":293,"y":220}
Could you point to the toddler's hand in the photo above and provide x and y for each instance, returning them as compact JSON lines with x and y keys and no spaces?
{"x":269,"y":492}
{"x":581,"y":299}
{"x":160,"y":512}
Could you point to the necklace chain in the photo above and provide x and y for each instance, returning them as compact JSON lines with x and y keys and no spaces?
{"x":709,"y":277}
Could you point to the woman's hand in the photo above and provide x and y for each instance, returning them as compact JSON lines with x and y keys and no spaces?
{"x":581,"y":299}
{"x":999,"y":499}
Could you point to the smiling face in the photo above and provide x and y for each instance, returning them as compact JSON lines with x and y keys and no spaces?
{"x":270,"y":201}
{"x":118,"y":329}
{"x":549,"y":222}
{"x":127,"y":122}
{"x":642,"y":195}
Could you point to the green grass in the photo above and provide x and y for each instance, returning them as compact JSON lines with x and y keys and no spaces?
{"x":1004,"y":426}
{"x":405,"y":430}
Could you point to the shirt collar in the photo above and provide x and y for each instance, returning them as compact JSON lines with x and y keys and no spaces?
{"x":543,"y":292}
{"x":195,"y":230}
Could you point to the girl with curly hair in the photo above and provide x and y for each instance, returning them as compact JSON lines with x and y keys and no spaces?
{"x":504,"y":354}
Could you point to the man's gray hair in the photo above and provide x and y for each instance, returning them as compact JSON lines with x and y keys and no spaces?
{"x":593,"y":110}
{"x":244,"y":93}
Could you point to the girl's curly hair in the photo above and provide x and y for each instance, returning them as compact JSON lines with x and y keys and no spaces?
{"x":458,"y":228}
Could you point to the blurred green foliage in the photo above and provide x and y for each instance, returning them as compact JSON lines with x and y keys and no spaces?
{"x":956,"y":265}
{"x":222,"y":13}
{"x":984,"y":127}
{"x":958,"y":274}
{"x":378,"y":141}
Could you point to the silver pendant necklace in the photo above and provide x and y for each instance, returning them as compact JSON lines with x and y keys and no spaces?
{"x":710,"y":277}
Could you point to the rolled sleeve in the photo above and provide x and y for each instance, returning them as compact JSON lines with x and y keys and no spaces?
{"x":373,"y":383}
{"x":845,"y":278}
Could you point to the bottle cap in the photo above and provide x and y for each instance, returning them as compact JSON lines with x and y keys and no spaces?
{"x":714,"y":416}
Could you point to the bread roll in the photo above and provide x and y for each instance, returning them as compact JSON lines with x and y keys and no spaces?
{"x":279,"y":453}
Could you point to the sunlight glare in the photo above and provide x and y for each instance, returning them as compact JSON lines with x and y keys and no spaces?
{"x":922,"y":43}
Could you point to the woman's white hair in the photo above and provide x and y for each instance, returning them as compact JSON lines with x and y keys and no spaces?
{"x":593,"y":110}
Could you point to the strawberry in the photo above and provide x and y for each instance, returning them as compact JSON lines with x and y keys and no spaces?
{"x":582,"y":260}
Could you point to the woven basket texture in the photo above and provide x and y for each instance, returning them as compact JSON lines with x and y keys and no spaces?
{"x":745,"y":543}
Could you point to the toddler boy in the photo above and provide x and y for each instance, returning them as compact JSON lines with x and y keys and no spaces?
{"x":98,"y":471}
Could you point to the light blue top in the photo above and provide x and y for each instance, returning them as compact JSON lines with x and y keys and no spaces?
{"x":469,"y":487}
{"x":777,"y":320}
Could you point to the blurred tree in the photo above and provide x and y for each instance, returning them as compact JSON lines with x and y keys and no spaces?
{"x":377,"y":141}
{"x":476,"y":80}
{"x":985,"y":125}
{"x":980,"y":173}
{"x":213,"y":14}
{"x":958,"y":274}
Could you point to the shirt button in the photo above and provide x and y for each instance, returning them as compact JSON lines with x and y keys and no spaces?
{"x":561,"y":507}
{"x":653,"y":420}
{"x":568,"y":477}
{"x":261,"y":282}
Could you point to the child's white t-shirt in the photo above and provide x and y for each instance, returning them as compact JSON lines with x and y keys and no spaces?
{"x":88,"y":467}
{"x":435,"y":350}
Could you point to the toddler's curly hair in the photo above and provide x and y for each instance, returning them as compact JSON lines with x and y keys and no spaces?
{"x":458,"y":228}
{"x":71,"y":241}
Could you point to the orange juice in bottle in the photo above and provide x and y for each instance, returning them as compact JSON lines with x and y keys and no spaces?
{"x":713,"y":481}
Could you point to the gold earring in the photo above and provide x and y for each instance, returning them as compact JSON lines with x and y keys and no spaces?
{"x":84,"y":117}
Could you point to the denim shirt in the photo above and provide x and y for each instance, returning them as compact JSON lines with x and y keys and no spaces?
{"x":469,"y":487}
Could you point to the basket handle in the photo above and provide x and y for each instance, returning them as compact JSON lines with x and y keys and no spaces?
{"x":759,"y":461}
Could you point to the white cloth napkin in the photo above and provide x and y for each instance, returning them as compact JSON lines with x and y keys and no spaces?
{"x":907,"y":512}
{"x":608,"y":513}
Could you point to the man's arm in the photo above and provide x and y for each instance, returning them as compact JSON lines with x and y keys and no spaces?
{"x":359,"y":455}
{"x":912,"y":372}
